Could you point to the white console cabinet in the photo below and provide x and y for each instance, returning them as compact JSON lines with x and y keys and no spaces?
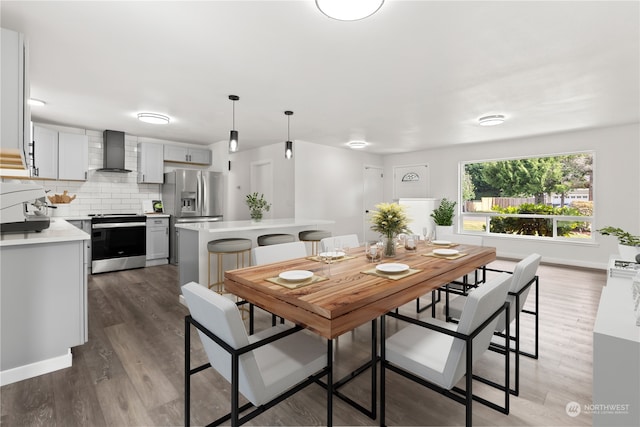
{"x":616,"y":357}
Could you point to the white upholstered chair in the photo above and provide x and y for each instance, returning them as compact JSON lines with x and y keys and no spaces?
{"x":347,"y":240}
{"x":274,"y":253}
{"x":460,"y":285}
{"x":524,"y":276}
{"x":265,"y":368}
{"x":437,"y":354}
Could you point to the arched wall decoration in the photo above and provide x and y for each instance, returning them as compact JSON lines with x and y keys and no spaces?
{"x":411,"y":177}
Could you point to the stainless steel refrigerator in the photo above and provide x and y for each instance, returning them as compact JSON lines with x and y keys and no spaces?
{"x":191,"y":196}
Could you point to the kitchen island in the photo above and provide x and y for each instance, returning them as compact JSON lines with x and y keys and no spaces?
{"x":193,"y":239}
{"x":43,"y":283}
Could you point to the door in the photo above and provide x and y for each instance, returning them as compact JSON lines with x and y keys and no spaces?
{"x":73,"y":156}
{"x":212,"y":193}
{"x":187,"y":188}
{"x":45,"y":153}
{"x":262,"y":182}
{"x":373,"y":193}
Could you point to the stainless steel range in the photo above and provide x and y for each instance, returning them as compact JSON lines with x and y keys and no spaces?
{"x":118,"y":242}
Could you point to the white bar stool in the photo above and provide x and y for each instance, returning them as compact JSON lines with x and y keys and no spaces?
{"x":238,"y":246}
{"x":275,"y":239}
{"x":313,"y":236}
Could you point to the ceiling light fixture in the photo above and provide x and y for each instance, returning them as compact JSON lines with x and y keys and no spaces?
{"x":349,"y":10}
{"x":288,"y":145}
{"x":36,"y":102}
{"x":357,"y":144}
{"x":233,"y":135}
{"x":493,"y":120}
{"x":153,"y":118}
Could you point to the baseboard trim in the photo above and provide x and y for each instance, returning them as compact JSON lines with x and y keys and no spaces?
{"x":34,"y":369}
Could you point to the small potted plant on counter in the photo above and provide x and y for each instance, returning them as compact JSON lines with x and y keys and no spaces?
{"x":628,"y":244}
{"x":257,"y":204}
{"x":443,"y":217}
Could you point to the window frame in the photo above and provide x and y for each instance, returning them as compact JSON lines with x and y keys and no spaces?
{"x":460,"y":221}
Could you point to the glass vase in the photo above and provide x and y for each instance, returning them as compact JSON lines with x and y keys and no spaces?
{"x":390,"y":247}
{"x":256,"y":215}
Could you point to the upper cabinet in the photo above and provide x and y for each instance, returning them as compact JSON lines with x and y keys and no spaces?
{"x":73,"y":156}
{"x":59,"y":155}
{"x":180,"y":154}
{"x":44,"y":153}
{"x":16,"y":116}
{"x":150,"y":163}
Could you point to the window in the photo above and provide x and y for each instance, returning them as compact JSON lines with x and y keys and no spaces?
{"x":548,"y":197}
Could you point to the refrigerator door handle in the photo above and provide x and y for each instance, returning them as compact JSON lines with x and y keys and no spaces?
{"x":199,"y":193}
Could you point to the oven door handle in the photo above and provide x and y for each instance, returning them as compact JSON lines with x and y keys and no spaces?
{"x":118,"y":225}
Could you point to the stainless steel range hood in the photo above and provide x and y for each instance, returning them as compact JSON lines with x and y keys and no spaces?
{"x":113,"y":152}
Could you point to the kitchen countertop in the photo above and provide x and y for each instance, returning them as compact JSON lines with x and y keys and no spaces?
{"x":88,"y":218}
{"x":223,"y":226}
{"x":59,"y":231}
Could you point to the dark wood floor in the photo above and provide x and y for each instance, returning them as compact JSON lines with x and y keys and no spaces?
{"x":130,"y":373}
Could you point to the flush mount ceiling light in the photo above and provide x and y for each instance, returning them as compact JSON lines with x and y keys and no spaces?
{"x":496,"y":119}
{"x":349,"y":10}
{"x":36,"y":102}
{"x":233,"y":135}
{"x":288,"y":145}
{"x":357,"y":144}
{"x":153,"y":118}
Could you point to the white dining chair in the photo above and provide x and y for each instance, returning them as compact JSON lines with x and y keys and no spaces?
{"x":460,"y":285}
{"x":524,"y":276}
{"x":265,"y":368}
{"x":347,"y":240}
{"x":437,"y":354}
{"x":274,"y":253}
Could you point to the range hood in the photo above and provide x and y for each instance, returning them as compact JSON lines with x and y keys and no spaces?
{"x":113,"y":152}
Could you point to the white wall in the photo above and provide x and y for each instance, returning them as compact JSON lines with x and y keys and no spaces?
{"x":616,"y":181}
{"x":239,"y":182}
{"x":329,"y":185}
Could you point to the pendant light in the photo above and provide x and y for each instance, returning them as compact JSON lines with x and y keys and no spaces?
{"x":288,"y":145}
{"x":233,"y":135}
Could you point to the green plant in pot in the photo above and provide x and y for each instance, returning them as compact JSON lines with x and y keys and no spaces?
{"x":389,"y":219}
{"x":628,"y":244}
{"x":443,"y":216}
{"x":257,"y":204}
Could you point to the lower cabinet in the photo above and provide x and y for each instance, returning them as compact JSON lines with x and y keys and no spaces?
{"x":84,"y":225}
{"x":157,"y":241}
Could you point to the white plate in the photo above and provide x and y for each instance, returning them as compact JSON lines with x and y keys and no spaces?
{"x":392,"y":267}
{"x":446,"y":252}
{"x":332,"y":254}
{"x":296,"y":275}
{"x":441,"y":242}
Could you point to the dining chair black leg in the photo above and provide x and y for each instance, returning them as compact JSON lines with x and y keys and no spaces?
{"x":382,"y":373}
{"x":187,"y":370}
{"x":329,"y":382}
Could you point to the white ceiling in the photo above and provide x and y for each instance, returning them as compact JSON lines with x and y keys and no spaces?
{"x":416,"y":75}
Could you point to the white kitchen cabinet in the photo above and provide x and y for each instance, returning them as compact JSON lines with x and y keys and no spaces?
{"x":150,"y":163}
{"x":73,"y":156}
{"x":180,"y":154}
{"x":45,"y":153}
{"x":157,"y":240}
{"x":15,"y":134}
{"x":59,"y":155}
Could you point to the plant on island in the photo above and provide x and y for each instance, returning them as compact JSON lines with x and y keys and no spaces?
{"x":257,"y":204}
{"x":443,"y":214}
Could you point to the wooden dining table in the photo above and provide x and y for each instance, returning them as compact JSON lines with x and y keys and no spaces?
{"x":350,"y":291}
{"x":350,"y":297}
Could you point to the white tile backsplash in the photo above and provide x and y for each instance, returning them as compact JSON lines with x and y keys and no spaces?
{"x":106,"y":192}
